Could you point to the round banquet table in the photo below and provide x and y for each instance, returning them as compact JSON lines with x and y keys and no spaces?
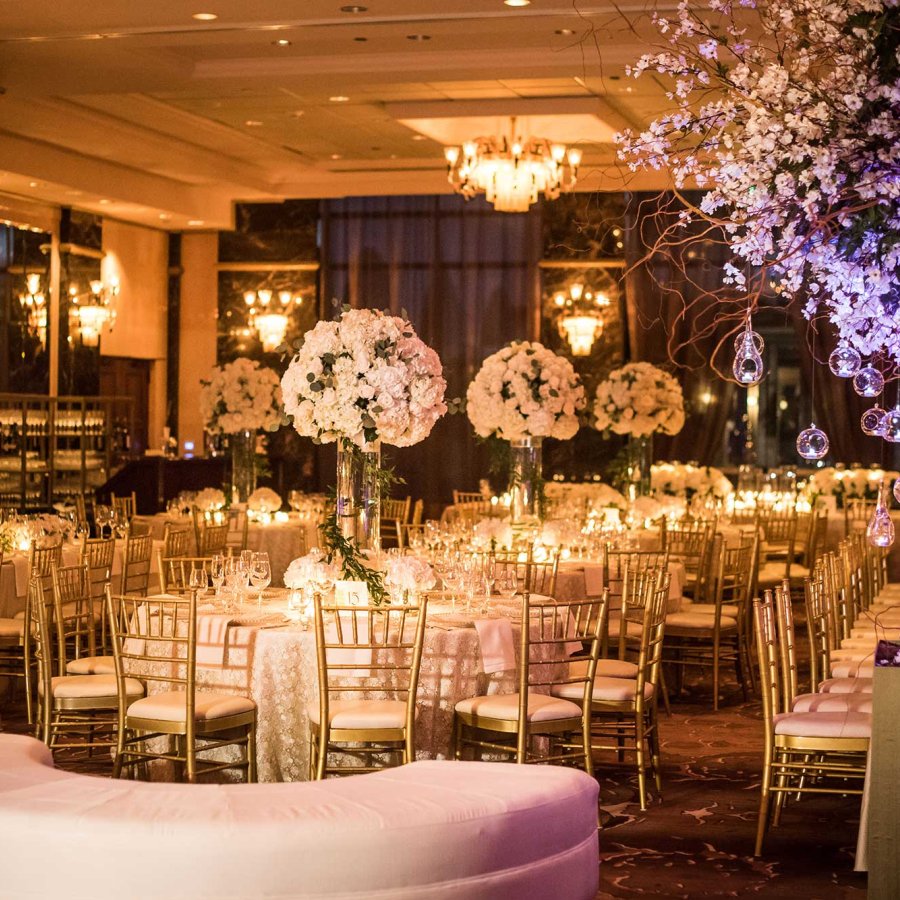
{"x":275,"y":664}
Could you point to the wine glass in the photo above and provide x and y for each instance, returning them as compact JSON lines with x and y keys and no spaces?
{"x":197,"y":580}
{"x":233,"y":579}
{"x":507,"y":583}
{"x":82,"y":530}
{"x":217,"y":573}
{"x":489,"y":574}
{"x":260,"y":574}
{"x":102,"y":516}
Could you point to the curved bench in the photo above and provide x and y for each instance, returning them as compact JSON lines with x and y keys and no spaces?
{"x":429,"y":830}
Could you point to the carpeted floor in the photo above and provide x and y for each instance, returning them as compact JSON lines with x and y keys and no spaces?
{"x":697,"y":839}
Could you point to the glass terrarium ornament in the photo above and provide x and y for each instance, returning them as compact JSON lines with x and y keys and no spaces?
{"x":844,"y":361}
{"x":872,"y":421}
{"x":880,"y":530}
{"x":897,"y":490}
{"x":868,"y":382}
{"x":812,"y":442}
{"x":748,"y":363}
{"x":890,"y":426}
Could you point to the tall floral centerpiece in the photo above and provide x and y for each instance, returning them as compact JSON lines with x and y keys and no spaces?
{"x":639,"y":400}
{"x":239,"y":399}
{"x":522,"y":394}
{"x":363,"y":380}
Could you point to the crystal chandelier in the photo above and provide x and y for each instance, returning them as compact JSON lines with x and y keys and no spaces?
{"x":95,"y":310}
{"x":270,"y":321}
{"x":581,"y":318}
{"x":34,"y":306}
{"x":512,"y":172}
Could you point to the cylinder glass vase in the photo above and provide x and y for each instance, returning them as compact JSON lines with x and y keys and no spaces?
{"x":359,"y":494}
{"x":242,"y":445}
{"x":525,"y":480}
{"x":640,"y":457}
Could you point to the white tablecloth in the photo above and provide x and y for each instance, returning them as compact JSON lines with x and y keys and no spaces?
{"x":576,"y":578}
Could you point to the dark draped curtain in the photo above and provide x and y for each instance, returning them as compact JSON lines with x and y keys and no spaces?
{"x":468,"y":278}
{"x":657,"y":292}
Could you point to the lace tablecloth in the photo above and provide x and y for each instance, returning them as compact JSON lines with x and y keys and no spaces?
{"x":581,"y":578}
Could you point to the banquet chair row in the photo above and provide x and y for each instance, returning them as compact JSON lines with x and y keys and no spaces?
{"x":815,"y":742}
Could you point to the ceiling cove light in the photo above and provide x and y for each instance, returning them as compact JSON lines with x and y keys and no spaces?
{"x":517,"y":2}
{"x":339,"y":98}
{"x":205,"y":17}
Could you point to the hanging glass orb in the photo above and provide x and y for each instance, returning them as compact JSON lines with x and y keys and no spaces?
{"x":748,"y":364}
{"x":812,"y":442}
{"x":868,"y":382}
{"x":755,"y":337}
{"x":844,"y":361}
{"x":872,"y":421}
{"x":890,"y":426}
{"x":880,"y":530}
{"x":897,"y":490}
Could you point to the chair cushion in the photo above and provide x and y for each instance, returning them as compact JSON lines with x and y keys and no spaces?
{"x":772,"y":573}
{"x":614,"y":627}
{"x":616,"y":668}
{"x":92,"y":665}
{"x":709,"y":609}
{"x":85,"y":687}
{"x":851,"y":668}
{"x":12,"y":628}
{"x":846,"y":686}
{"x":824,"y":724}
{"x":541,"y":707}
{"x":698,"y":620}
{"x":170,"y":706}
{"x":361,"y":713}
{"x":618,"y":690}
{"x":832,"y":703}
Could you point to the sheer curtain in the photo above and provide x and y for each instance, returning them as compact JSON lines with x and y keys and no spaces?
{"x":468,"y":278}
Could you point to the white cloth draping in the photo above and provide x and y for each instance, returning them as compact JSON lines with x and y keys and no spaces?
{"x":498,"y":650}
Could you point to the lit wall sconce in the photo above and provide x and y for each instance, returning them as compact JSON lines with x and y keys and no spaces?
{"x":94,"y":310}
{"x":268,"y":314}
{"x":580,"y":317}
{"x":34,"y":305}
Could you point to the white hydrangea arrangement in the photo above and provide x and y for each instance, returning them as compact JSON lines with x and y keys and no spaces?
{"x":493,"y":534}
{"x":681,"y":479}
{"x":584,"y":496}
{"x":209,"y":499}
{"x":408,"y":574}
{"x":8,"y":534}
{"x":264,"y":500}
{"x":240,"y":396}
{"x":639,"y":399}
{"x":309,"y":570}
{"x":840,"y":482}
{"x":525,"y":390}
{"x":365,"y":377}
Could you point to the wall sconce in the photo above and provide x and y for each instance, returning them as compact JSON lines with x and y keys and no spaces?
{"x":94,"y":310}
{"x":270,"y":319}
{"x":34,"y":306}
{"x":580,"y":317}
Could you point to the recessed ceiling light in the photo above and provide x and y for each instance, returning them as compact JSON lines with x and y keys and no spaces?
{"x":281,"y":42}
{"x":339,"y":98}
{"x":205,"y":17}
{"x":32,"y":184}
{"x":419,"y":137}
{"x":353,"y":8}
{"x":196,"y":222}
{"x":360,"y":40}
{"x":164,"y":217}
{"x":336,"y":156}
{"x":253,"y":123}
{"x":565,"y":31}
{"x":418,"y":37}
{"x":297,"y":113}
{"x":104,"y":201}
{"x":517,"y":2}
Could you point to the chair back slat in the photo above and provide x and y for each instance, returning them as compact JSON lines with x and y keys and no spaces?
{"x":73,"y":610}
{"x":136,"y":564}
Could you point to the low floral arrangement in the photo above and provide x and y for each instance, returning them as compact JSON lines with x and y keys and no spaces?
{"x":9,"y":532}
{"x":639,"y":399}
{"x":493,"y":534}
{"x":845,"y":483}
{"x":408,"y":574}
{"x":525,"y":390}
{"x":241,"y":396}
{"x":684,"y":480}
{"x":209,"y":499}
{"x":647,"y":508}
{"x":587,"y":496}
{"x":364,"y":378}
{"x":264,"y":500}
{"x":312,"y":569}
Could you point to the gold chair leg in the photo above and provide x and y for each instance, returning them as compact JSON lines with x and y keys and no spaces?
{"x":251,"y":754}
{"x":322,"y":753}
{"x":639,"y":761}
{"x":764,"y":801}
{"x":456,"y":739}
{"x":655,"y":760}
{"x":716,"y":675}
{"x":586,"y":742}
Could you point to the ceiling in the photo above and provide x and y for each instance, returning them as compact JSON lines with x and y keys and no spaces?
{"x":142,"y":112}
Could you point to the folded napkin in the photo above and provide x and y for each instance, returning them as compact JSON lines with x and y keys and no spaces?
{"x":212,"y":638}
{"x":498,"y":650}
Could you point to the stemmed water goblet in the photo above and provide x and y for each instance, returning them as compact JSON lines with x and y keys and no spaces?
{"x":102,"y":516}
{"x":260,"y":574}
{"x":217,"y":574}
{"x":198,"y":581}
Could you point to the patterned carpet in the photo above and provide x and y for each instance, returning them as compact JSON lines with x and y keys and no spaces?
{"x":697,"y":840}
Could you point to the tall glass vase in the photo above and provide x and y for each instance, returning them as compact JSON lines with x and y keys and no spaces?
{"x":637,"y":472}
{"x":525,"y":480}
{"x":359,"y":494}
{"x":243,"y":465}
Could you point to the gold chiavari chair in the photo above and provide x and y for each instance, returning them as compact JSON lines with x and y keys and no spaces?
{"x":177,"y":541}
{"x":12,"y":647}
{"x":468,"y":497}
{"x":418,"y":512}
{"x":778,"y":530}
{"x":76,"y":611}
{"x":81,"y":509}
{"x":136,"y":563}
{"x":175,"y":572}
{"x":394,"y":514}
{"x":534,"y":576}
{"x":73,"y":705}
{"x":238,"y":530}
{"x":99,"y":554}
{"x":470,"y":513}
{"x":691,"y":544}
{"x":507,"y":723}
{"x":155,"y":641}
{"x":125,"y":507}
{"x":139,"y":528}
{"x":708,"y":635}
{"x":360,"y":651}
{"x":805,"y":752}
{"x":857,"y":511}
{"x":624,"y":711}
{"x":212,"y":539}
{"x":412,"y":535}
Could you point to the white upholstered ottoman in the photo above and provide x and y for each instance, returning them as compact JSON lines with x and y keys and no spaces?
{"x":479,"y":831}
